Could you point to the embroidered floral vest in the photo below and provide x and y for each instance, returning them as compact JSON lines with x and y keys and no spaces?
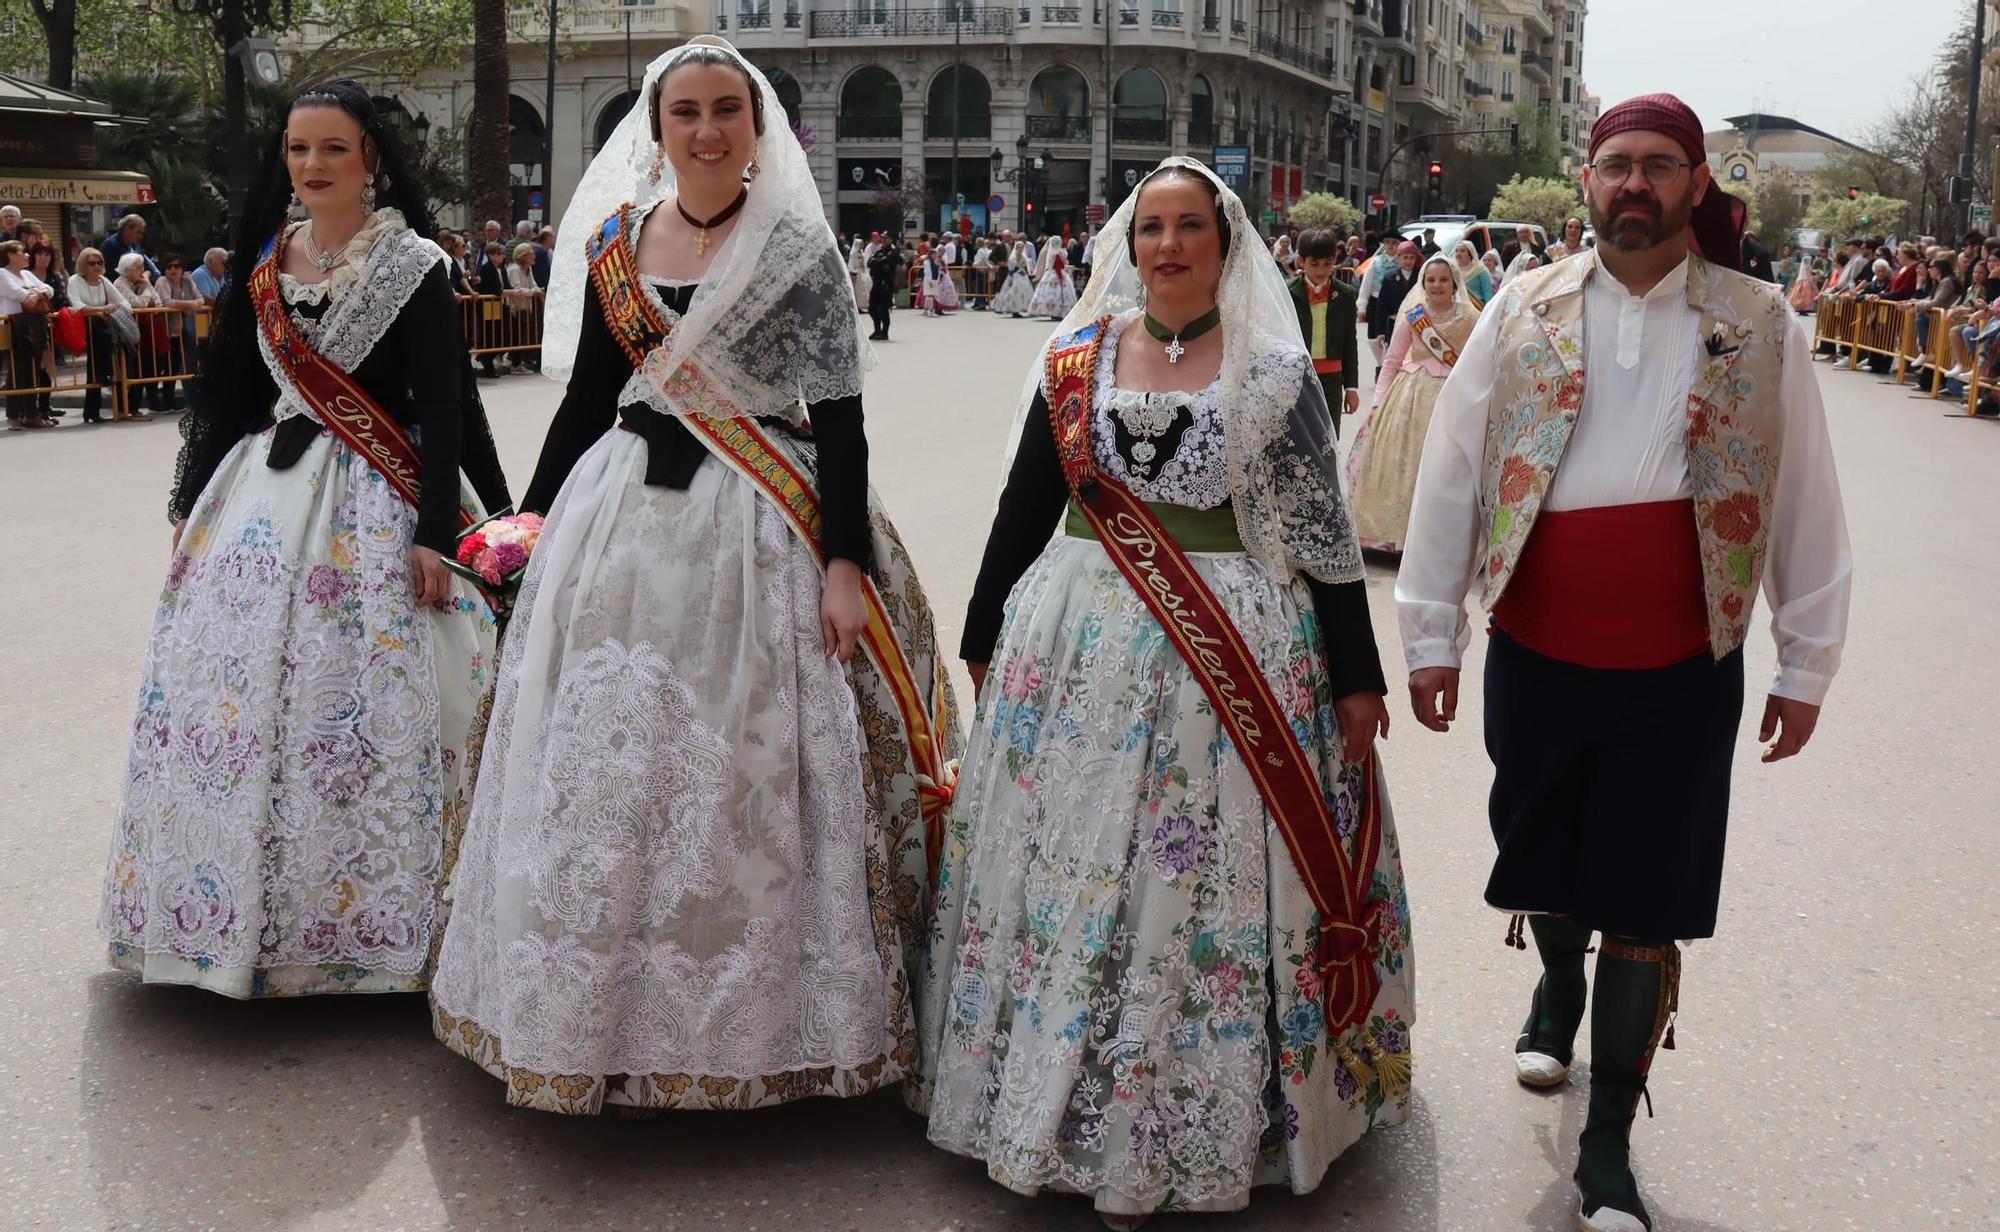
{"x":1735,"y":425}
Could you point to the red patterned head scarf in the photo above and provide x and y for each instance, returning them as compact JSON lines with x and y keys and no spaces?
{"x":1715,"y":230}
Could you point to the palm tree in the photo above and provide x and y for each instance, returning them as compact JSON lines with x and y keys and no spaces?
{"x":488,"y":149}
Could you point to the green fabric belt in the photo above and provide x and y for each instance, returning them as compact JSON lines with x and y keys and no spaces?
{"x":1195,"y":530}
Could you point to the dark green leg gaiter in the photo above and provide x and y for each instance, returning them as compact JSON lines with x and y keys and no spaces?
{"x":1638,"y":989}
{"x":1557,"y":1009}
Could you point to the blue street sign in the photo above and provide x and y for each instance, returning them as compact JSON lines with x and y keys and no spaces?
{"x":995,"y":203}
{"x":1232,"y":165}
{"x":536,"y":200}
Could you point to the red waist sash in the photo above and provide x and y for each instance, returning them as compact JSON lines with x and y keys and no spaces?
{"x":1213,"y":648}
{"x":1326,"y":367}
{"x":1618,"y":586}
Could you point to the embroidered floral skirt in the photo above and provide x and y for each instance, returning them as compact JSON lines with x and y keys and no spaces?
{"x":1118,"y":1000}
{"x":1382,"y":462}
{"x":293,"y":788}
{"x":1015,"y":293}
{"x":694,"y":874}
{"x":1054,"y":296}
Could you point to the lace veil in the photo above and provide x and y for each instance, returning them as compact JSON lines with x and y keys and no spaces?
{"x":1284,"y":472}
{"x":1459,"y":295}
{"x":773,"y":322}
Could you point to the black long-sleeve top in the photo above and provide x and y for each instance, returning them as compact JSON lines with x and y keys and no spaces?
{"x":1033,"y":500}
{"x":591,"y":407}
{"x":418,"y":374}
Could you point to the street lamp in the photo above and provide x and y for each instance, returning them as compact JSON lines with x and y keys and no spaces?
{"x":244,"y":56}
{"x":1018,"y":176}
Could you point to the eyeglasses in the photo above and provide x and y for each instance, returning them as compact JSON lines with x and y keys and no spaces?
{"x":1660,"y":169}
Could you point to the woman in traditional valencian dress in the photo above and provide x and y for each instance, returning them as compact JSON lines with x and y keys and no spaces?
{"x":695,"y":874}
{"x":1139,"y":987}
{"x":1055,"y":295}
{"x":297,"y":771}
{"x":1436,"y":318}
{"x":1019,"y":288}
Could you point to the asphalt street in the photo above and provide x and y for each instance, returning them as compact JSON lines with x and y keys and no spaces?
{"x":1838,"y":1040}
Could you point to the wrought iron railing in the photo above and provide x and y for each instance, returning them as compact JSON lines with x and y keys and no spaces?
{"x":914,"y":23}
{"x":1058,"y":128}
{"x":753,"y":21}
{"x":1062,"y":15}
{"x":1167,"y":18}
{"x":1143,"y":130}
{"x":1203,"y":133}
{"x":867,"y":127}
{"x":938,"y":127}
{"x":1291,"y":53}
{"x":1211,"y":23}
{"x":1477,"y":90}
{"x":1536,"y":60}
{"x":1237,"y":25}
{"x":1128,"y":17}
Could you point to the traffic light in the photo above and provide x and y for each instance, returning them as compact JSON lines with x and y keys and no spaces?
{"x":1437,"y":178}
{"x":1853,"y":193}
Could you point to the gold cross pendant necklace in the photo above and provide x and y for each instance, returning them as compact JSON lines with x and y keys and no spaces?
{"x":701,"y":228}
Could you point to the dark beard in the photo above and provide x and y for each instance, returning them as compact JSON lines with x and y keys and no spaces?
{"x":1644,"y":223}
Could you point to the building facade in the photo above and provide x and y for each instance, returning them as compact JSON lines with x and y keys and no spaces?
{"x":1037,"y":116}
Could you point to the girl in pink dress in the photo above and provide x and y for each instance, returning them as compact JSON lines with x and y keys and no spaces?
{"x":1433,"y":323}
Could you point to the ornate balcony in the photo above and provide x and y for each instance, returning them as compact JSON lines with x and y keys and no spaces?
{"x":914,"y":23}
{"x":1062,"y":15}
{"x":1058,"y":128}
{"x":1142,"y":130}
{"x":867,"y":127}
{"x":1275,"y":48}
{"x":1169,"y":19}
{"x":938,"y":127}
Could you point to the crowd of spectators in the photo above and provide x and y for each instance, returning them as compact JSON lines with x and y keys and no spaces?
{"x":1929,"y":282}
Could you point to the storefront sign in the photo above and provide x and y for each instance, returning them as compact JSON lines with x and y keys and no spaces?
{"x":1232,"y":166}
{"x":33,"y":187}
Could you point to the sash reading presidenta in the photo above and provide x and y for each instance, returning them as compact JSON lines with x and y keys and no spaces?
{"x":1215,"y":652}
{"x":343,"y":406}
{"x":742,"y":443}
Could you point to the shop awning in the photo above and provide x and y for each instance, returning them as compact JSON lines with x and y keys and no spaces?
{"x":28,"y":186}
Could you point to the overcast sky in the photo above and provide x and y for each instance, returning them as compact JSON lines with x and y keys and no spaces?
{"x":1832,"y":64}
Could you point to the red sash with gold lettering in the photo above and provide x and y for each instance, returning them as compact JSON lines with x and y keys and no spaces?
{"x":343,"y":406}
{"x":744,"y":445}
{"x":1195,"y":622}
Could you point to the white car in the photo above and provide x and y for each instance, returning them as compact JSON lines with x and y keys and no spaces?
{"x":1484,"y":233}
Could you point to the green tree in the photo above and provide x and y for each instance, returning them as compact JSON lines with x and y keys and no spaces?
{"x":376,"y":38}
{"x":1775,"y":212}
{"x":1547,"y":200}
{"x":1327,"y":210}
{"x":1475,"y":167}
{"x":1867,"y":214}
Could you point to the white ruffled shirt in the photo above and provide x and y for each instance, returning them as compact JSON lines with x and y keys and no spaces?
{"x":1630,"y":446}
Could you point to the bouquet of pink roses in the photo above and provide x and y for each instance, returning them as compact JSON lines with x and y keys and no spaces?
{"x":494,"y":554}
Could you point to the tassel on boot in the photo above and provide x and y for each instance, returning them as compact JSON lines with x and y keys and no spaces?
{"x":1637,"y":989}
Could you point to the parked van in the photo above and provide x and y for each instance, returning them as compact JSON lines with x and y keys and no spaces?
{"x":1484,"y":233}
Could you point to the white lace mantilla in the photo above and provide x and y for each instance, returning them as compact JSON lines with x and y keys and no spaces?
{"x":1196,"y":474}
{"x":386,"y":263}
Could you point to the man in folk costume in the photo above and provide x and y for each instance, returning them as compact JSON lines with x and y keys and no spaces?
{"x":1624,"y":524}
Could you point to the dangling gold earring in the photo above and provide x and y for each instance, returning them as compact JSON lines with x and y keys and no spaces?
{"x":750,"y":172}
{"x":659,"y":163}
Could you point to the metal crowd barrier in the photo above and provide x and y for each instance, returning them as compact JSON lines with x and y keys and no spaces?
{"x":1888,"y":328}
{"x":508,"y":324}
{"x":167,"y":352}
{"x":169,"y":339}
